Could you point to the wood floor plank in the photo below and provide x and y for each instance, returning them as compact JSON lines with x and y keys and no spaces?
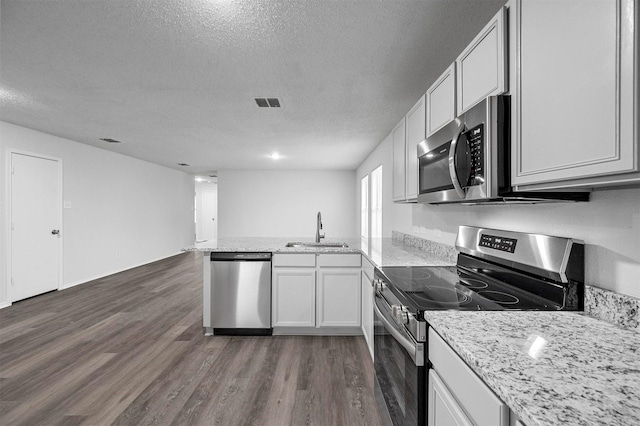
{"x":129,"y":349}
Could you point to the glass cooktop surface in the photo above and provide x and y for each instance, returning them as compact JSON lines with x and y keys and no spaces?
{"x":433,"y":288}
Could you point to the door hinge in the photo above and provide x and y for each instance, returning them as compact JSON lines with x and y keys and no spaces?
{"x":13,"y":170}
{"x":12,"y":226}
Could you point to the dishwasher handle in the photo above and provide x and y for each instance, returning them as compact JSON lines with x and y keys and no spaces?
{"x":240,"y":257}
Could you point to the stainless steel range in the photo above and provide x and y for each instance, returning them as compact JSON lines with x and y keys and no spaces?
{"x":496,"y":270}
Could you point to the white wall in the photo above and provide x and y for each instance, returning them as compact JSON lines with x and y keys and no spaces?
{"x":120,"y":205}
{"x":609,"y":225}
{"x":260,"y":203}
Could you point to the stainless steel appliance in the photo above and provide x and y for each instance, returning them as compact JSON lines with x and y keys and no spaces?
{"x":496,"y":270}
{"x":241,"y":293}
{"x":468,"y":161}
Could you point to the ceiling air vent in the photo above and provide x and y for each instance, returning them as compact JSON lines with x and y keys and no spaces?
{"x":268,"y":102}
{"x":110,"y":140}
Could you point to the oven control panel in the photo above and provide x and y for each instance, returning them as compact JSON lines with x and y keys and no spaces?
{"x":498,"y":243}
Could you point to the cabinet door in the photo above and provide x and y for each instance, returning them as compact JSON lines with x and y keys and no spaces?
{"x":480,"y":404}
{"x":367,"y":311}
{"x":294,"y":297}
{"x":415,"y":123}
{"x":480,"y":68}
{"x":399,"y":161}
{"x":338,"y":298}
{"x":573,"y":98}
{"x":441,"y":101}
{"x":443,"y":410}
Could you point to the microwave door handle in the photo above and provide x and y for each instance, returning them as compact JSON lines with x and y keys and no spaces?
{"x":452,"y":162}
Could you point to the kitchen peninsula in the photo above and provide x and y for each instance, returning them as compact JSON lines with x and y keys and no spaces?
{"x":549,"y":367}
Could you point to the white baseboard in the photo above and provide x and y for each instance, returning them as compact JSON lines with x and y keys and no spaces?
{"x":5,"y":305}
{"x":314,"y":331}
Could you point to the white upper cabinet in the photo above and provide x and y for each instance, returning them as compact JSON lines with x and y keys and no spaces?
{"x":481,"y":67}
{"x":441,"y":101}
{"x":399,"y":161}
{"x":573,"y":93}
{"x":415,"y":122}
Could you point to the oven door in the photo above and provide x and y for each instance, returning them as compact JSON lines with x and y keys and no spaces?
{"x":399,"y":364}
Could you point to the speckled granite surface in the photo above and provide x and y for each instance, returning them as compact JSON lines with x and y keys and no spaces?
{"x":381,"y":251}
{"x":613,"y":307}
{"x":551,"y":368}
{"x":439,"y":250}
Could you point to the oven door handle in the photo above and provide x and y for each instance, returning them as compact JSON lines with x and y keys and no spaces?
{"x":453,"y":173}
{"x":412,"y":347}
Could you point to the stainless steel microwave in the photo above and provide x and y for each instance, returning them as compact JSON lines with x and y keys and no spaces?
{"x":468,"y":160}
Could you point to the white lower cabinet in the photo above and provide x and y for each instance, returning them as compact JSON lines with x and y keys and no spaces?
{"x":316,"y":290}
{"x":443,"y":407}
{"x":456,"y":395}
{"x":338,"y":298}
{"x":367,"y":303}
{"x":294,"y":297}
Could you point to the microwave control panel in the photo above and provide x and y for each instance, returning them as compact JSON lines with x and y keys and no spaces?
{"x":475,"y":138}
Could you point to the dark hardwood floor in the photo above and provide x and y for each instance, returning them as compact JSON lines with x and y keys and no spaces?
{"x":129,"y":349}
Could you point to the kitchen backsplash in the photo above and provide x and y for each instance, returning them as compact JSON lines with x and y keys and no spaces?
{"x":442,"y":251}
{"x":605,"y":305}
{"x":613,"y":307}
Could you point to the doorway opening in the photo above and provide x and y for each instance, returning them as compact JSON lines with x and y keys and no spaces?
{"x":206,"y":208}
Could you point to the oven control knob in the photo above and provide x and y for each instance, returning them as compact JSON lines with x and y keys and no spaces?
{"x":379,"y":285}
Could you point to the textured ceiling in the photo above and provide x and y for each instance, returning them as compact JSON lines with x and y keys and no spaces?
{"x":175,"y":80}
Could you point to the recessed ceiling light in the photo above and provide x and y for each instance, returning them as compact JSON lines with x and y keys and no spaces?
{"x":109,"y":140}
{"x":275,"y":156}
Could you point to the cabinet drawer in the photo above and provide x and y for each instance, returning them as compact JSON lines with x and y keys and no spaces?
{"x":294,"y":260}
{"x":481,"y":405}
{"x":340,"y":260}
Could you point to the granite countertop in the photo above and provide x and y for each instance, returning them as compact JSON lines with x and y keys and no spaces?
{"x":380,"y":251}
{"x":551,"y":368}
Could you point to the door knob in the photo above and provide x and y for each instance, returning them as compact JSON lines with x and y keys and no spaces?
{"x":55,"y":231}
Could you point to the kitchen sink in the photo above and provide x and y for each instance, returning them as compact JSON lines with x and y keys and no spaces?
{"x":298,"y":244}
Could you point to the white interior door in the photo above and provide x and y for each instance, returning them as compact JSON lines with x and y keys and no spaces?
{"x":206,"y":211}
{"x":35,"y":225}
{"x":209,"y":213}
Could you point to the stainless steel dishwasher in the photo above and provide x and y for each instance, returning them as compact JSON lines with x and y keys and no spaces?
{"x":241,"y":293}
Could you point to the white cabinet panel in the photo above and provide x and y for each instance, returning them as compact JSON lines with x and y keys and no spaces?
{"x":399,"y":161}
{"x":338,"y":297}
{"x":367,"y":303}
{"x":480,"y":68}
{"x":480,"y":404}
{"x":443,"y":409}
{"x":294,"y":260}
{"x":294,"y":297}
{"x":441,"y":101}
{"x":340,"y":260}
{"x":415,"y":133}
{"x":573,"y":93}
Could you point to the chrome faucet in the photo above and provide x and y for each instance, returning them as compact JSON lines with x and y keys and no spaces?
{"x":318,"y":228}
